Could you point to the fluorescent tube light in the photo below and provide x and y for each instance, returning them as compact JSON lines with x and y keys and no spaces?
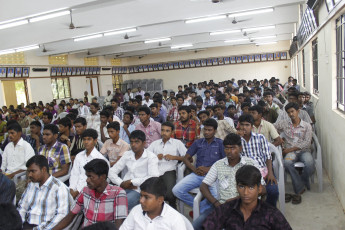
{"x":26,"y":48}
{"x":266,"y":43}
{"x":204,"y":19}
{"x":181,"y":46}
{"x":157,"y":40}
{"x":13,"y":24}
{"x":88,"y":37}
{"x":48,"y":16}
{"x":120,"y":31}
{"x":250,"y":12}
{"x":224,"y":32}
{"x":7,"y":51}
{"x":264,"y":37}
{"x":258,"y":28}
{"x":237,"y":40}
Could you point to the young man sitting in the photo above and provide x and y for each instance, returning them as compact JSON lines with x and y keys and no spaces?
{"x":128,"y":127}
{"x":114,"y":147}
{"x":35,"y":138}
{"x":185,"y":128}
{"x":268,"y":95}
{"x":93,"y":119}
{"x":65,"y":135}
{"x":141,"y":165}
{"x":104,"y":118}
{"x":297,"y":141}
{"x":153,"y":212}
{"x":256,"y":147}
{"x":147,"y":101}
{"x":155,"y":113}
{"x":78,"y":178}
{"x":169,"y":151}
{"x":247,"y":212}
{"x":151,"y":129}
{"x":57,"y":153}
{"x":46,"y":200}
{"x":99,"y":201}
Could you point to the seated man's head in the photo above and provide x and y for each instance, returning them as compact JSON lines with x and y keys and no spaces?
{"x":293,"y":97}
{"x":292,"y":109}
{"x":167,"y":129}
{"x":192,"y":110}
{"x":14,"y":132}
{"x":154,"y":109}
{"x":94,"y":108}
{"x":35,"y":127}
{"x":209,"y":108}
{"x":144,"y":114}
{"x":248,"y":181}
{"x":199,"y":102}
{"x":128,"y":118}
{"x":152,"y":193}
{"x":301,"y":98}
{"x":147,"y":96}
{"x":104,"y":116}
{"x":268,"y":95}
{"x":47,"y":118}
{"x":137,"y":141}
{"x":89,"y":139}
{"x":210,"y":128}
{"x":50,"y":134}
{"x":184,"y":112}
{"x":232,"y":147}
{"x":232,"y":110}
{"x":203,"y":116}
{"x":256,"y":112}
{"x":65,"y":125}
{"x":37,"y":169}
{"x":245,"y":107}
{"x":218,"y":110}
{"x":180,"y":100}
{"x":113,"y":129}
{"x":97,"y":173}
{"x":246,"y":123}
{"x":80,"y":125}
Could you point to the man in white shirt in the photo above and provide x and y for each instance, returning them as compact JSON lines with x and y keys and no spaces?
{"x":128,"y":95}
{"x":140,"y":92}
{"x":83,"y":110}
{"x":169,"y":151}
{"x":16,"y":153}
{"x":141,"y":165}
{"x":153,"y":212}
{"x":108,"y":98}
{"x":147,"y":101}
{"x":93,"y":119}
{"x":77,"y":181}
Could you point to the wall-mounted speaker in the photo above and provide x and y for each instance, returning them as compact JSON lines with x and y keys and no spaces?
{"x":106,"y":68}
{"x":40,"y":69}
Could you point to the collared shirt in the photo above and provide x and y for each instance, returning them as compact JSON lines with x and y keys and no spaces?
{"x":77,"y":181}
{"x":173,"y":114}
{"x":186,"y":135}
{"x":224,"y":128}
{"x":107,"y":99}
{"x":139,"y":170}
{"x":142,"y":93}
{"x":299,"y":136}
{"x":113,"y":151}
{"x":159,"y":118}
{"x":229,"y":216}
{"x":163,"y":111}
{"x":111,"y":205}
{"x":267,"y":129}
{"x":302,"y":114}
{"x":126,"y":97}
{"x":14,"y":158}
{"x":172,"y":147}
{"x":123,"y":135}
{"x":147,"y":103}
{"x":225,"y":174}
{"x":119,"y":112}
{"x":257,"y":149}
{"x":168,"y":219}
{"x":200,"y":92}
{"x":93,"y":122}
{"x":83,"y":111}
{"x":45,"y":206}
{"x":209,"y":101}
{"x":274,"y":106}
{"x":207,"y":154}
{"x":58,"y":155}
{"x":152,"y":131}
{"x":32,"y":142}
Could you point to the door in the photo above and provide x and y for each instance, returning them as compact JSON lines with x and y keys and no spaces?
{"x":92,"y":86}
{"x":15,"y":92}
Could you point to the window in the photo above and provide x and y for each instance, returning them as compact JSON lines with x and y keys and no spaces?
{"x":331,"y":4}
{"x":303,"y":66}
{"x":315,"y":68}
{"x":308,"y":25}
{"x":60,"y":88}
{"x":340,"y":62}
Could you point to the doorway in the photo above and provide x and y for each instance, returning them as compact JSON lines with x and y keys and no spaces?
{"x":92,"y":86}
{"x":15,"y":92}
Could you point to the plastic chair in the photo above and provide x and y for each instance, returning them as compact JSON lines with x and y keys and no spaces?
{"x":136,"y":83}
{"x":189,"y":225}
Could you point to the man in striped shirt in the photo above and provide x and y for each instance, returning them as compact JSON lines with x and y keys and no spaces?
{"x":46,"y":200}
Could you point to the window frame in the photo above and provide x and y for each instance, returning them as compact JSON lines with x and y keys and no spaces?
{"x":303,"y":68}
{"x":315,"y":72}
{"x":64,"y":88}
{"x":340,"y":62}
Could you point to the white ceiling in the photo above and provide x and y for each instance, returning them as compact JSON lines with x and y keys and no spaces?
{"x":152,"y":18}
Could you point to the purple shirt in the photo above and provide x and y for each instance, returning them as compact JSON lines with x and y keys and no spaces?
{"x":152,"y":131}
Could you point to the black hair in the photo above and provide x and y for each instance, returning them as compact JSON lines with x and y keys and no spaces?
{"x":9,"y":218}
{"x":36,"y":123}
{"x":248,"y":175}
{"x":114,"y":125}
{"x":74,"y":111}
{"x":97,"y":166}
{"x":267,"y":93}
{"x":139,"y":97}
{"x":147,"y":94}
{"x":192,"y":107}
{"x":131,"y":117}
{"x":179,"y":96}
{"x":90,"y":133}
{"x":291,"y":105}
{"x":217,"y":106}
{"x":53,"y":128}
{"x":169,"y":124}
{"x":232,"y":139}
{"x":261,"y":103}
{"x":71,"y":116}
{"x":231,"y":106}
{"x":65,"y":122}
{"x":80,"y":120}
{"x":241,"y":95}
{"x":246,"y":118}
{"x":144,"y":109}
{"x":40,"y":160}
{"x":138,"y":134}
{"x":293,"y":94}
{"x":95,"y":105}
{"x":207,"y":91}
{"x":49,"y":115}
{"x":245,"y":104}
{"x":154,"y":186}
{"x":185,"y":108}
{"x":15,"y":127}
{"x":158,"y":100}
{"x":211,"y":122}
{"x":199,"y":99}
{"x":114,"y":100}
{"x":104,"y":113}
{"x":172,"y":98}
{"x":154,"y":105}
{"x":130,"y":109}
{"x":256,"y":108}
{"x":203,"y":112}
{"x":104,"y":225}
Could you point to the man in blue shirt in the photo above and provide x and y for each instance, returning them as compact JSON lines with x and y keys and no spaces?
{"x":208,"y":150}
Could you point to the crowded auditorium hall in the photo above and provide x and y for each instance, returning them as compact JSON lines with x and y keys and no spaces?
{"x":122,"y":115}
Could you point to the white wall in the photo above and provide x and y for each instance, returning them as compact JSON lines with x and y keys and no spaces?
{"x":173,"y":78}
{"x":330,"y":122}
{"x":78,"y":86}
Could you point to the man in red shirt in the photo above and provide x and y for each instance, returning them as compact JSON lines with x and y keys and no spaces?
{"x":185,"y":129}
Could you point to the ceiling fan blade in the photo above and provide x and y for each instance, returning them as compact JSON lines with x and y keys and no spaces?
{"x":81,"y":27}
{"x":244,"y":20}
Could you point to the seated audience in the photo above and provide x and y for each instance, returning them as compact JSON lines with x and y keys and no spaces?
{"x":128,"y":127}
{"x":155,"y":113}
{"x":268,"y":114}
{"x":114,"y":148}
{"x":77,"y":144}
{"x":141,"y":164}
{"x":268,"y":95}
{"x":247,"y":212}
{"x":23,"y":120}
{"x":77,"y":181}
{"x":57,"y":153}
{"x":185,"y":128}
{"x":118,"y":111}
{"x":169,"y":151}
{"x":104,"y":118}
{"x":153,"y":212}
{"x":46,"y":200}
{"x":83,"y":110}
{"x":151,"y":129}
{"x":297,"y":135}
{"x":98,"y":201}
{"x":93,"y":118}
{"x":65,"y":135}
{"x":147,"y":101}
{"x":35,"y":138}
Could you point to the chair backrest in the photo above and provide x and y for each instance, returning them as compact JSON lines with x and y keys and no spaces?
{"x":189,"y":225}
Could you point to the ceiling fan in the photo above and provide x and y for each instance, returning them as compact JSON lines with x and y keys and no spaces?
{"x":44,"y":50}
{"x":91,"y":53}
{"x":71,"y":26}
{"x":235,"y":21}
{"x":128,"y":37}
{"x":246,"y":34}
